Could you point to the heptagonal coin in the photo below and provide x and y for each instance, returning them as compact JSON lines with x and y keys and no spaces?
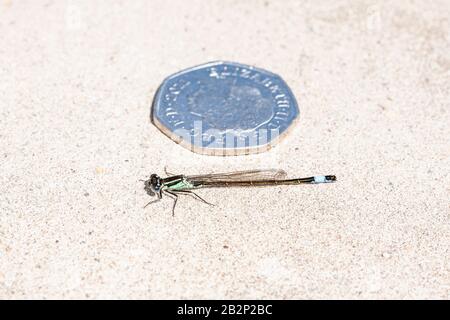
{"x":224,"y":108}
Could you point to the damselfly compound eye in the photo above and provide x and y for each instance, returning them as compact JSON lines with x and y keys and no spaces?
{"x":149,"y":188}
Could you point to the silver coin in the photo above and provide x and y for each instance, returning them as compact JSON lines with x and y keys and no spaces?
{"x":224,"y":108}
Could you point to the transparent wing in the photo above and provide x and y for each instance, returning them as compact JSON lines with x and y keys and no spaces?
{"x":250,"y":175}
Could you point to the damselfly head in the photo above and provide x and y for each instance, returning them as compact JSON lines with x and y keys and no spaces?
{"x":153,"y":185}
{"x":330,"y":178}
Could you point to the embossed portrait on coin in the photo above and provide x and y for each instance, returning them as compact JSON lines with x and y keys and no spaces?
{"x":225,"y":107}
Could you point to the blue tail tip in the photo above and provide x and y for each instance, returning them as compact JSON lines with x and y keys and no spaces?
{"x":324,"y":179}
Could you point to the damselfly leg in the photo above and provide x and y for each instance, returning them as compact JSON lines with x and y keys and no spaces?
{"x":174,"y":196}
{"x":167,"y":172}
{"x":151,"y":202}
{"x":194,"y":195}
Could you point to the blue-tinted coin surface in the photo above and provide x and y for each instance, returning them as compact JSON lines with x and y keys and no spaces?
{"x":224,"y":108}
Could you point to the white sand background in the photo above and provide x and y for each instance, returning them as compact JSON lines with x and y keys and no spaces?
{"x":77,"y":80}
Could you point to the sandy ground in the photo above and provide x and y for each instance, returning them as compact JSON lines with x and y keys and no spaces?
{"x":373,"y":84}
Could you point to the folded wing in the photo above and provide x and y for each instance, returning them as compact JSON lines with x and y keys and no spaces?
{"x":249,"y":175}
